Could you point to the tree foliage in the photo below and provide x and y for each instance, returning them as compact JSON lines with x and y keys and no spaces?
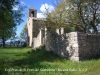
{"x":76,"y":15}
{"x":88,"y":13}
{"x":24,"y":33}
{"x":9,"y":18}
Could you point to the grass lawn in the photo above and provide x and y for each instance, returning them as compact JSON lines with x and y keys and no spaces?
{"x":25,"y":61}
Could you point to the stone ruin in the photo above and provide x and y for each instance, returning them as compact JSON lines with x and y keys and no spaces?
{"x":74,"y":45}
{"x":36,"y":29}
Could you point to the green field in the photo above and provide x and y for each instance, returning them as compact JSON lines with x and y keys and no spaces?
{"x":26,"y":61}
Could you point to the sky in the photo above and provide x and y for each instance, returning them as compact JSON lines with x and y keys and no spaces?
{"x":39,"y":5}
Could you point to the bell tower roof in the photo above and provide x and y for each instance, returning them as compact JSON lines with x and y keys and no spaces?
{"x":32,"y":12}
{"x":32,"y":8}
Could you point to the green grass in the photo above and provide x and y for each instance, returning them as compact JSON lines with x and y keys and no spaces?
{"x":40,"y":62}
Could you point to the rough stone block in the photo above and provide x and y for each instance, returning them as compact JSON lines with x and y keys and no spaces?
{"x":75,"y":45}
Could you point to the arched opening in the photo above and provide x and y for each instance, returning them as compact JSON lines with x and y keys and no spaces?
{"x":32,"y":14}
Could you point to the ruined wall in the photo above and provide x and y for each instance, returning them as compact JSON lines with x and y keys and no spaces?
{"x":89,"y":46}
{"x":37,"y":40}
{"x":38,"y":32}
{"x":56,"y":43}
{"x":30,"y":30}
{"x":76,"y":46}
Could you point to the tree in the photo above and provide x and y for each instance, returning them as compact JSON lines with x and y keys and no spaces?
{"x":57,"y":18}
{"x":24,"y":33}
{"x":9,"y":18}
{"x":76,"y":15}
{"x":89,"y":13}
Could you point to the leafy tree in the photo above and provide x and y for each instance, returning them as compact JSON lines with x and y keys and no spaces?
{"x":9,"y":18}
{"x":57,"y":18}
{"x":24,"y":33}
{"x":86,"y":15}
{"x":14,"y":41}
{"x":76,"y":15}
{"x":89,"y":13}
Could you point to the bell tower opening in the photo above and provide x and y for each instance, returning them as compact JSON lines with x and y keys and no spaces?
{"x":32,"y":12}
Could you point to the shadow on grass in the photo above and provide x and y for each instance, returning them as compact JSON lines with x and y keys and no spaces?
{"x":35,"y":57}
{"x":32,"y":60}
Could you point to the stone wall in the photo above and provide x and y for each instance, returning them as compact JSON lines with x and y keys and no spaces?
{"x":56,"y":43}
{"x":89,"y":46}
{"x":37,"y":40}
{"x":76,"y":46}
{"x":30,"y":30}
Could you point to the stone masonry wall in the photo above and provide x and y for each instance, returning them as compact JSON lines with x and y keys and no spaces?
{"x":65,"y":45}
{"x":57,"y":44}
{"x":89,"y":46}
{"x":37,"y":40}
{"x":76,"y":46}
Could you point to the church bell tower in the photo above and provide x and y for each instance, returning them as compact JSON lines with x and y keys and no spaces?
{"x":32,"y":12}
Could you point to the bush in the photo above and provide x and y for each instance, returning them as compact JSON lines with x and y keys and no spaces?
{"x":24,"y":45}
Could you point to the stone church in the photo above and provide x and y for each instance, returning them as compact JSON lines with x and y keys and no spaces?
{"x":74,"y":45}
{"x":36,"y":29}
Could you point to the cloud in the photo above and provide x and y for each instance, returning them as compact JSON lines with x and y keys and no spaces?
{"x":15,"y":7}
{"x":22,"y":4}
{"x":40,"y":15}
{"x":45,"y":6}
